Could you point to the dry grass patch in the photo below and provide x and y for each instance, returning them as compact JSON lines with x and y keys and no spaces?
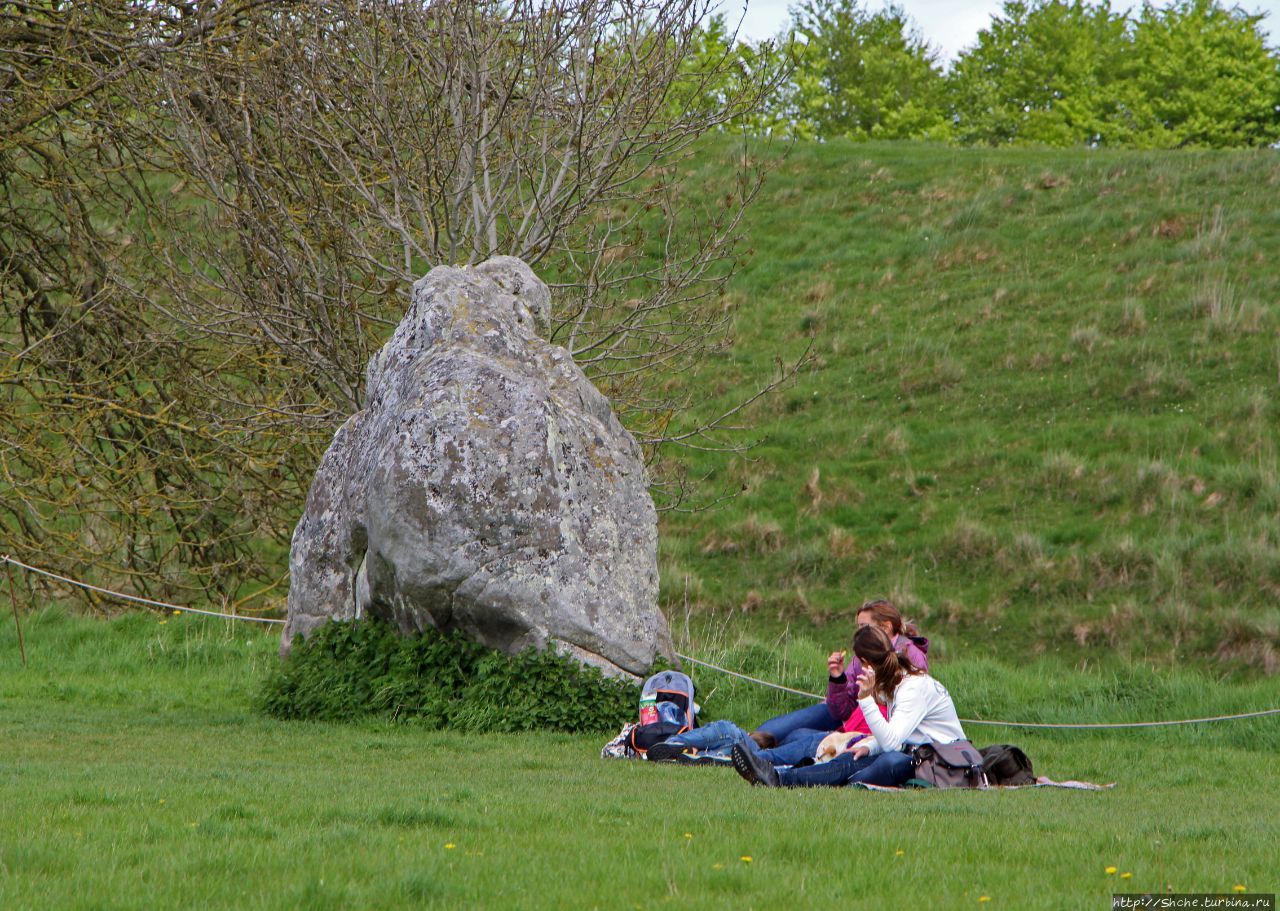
{"x":762,"y":535}
{"x":1121,"y":564}
{"x":1086,"y":338}
{"x":1169,"y":228}
{"x":969,"y":541}
{"x":819,"y":291}
{"x":1250,"y":642}
{"x":1063,"y":469}
{"x":811,"y":492}
{"x":1155,"y":383}
{"x":1216,"y":299}
{"x":965,"y":255}
{"x":715,"y":543}
{"x":896,"y":443}
{"x":1211,"y":235}
{"x":1133,"y":318}
{"x":840,"y":544}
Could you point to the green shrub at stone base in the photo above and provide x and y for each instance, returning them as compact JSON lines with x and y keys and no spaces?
{"x":364,"y":669}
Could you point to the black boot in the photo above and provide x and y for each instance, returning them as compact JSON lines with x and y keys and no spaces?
{"x":754,"y":768}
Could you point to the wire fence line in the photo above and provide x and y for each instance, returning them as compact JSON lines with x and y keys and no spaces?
{"x":135,"y":598}
{"x":5,"y":558}
{"x":1012,"y":724}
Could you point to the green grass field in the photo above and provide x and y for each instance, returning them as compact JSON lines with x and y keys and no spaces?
{"x":135,"y":774}
{"x":1040,"y":412}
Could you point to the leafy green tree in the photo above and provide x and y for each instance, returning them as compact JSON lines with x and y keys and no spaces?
{"x":1045,"y":72}
{"x":718,"y":67}
{"x":864,"y":75}
{"x":1204,"y":77}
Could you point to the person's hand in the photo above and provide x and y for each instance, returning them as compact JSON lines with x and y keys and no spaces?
{"x":835,"y":664}
{"x":859,"y":745}
{"x":866,"y":682}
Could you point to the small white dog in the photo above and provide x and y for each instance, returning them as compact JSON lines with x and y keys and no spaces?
{"x":838,"y":742}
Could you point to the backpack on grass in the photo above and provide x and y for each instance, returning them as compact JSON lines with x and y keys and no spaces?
{"x":1007,"y":765}
{"x":666,"y":709}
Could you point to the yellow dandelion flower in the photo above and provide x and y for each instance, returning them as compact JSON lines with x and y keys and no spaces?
{"x":450,"y":846}
{"x":688,"y":835}
{"x":899,"y":853}
{"x":1238,"y":888}
{"x":746,"y":858}
{"x":163,"y":622}
{"x":717,"y":866}
{"x":984,"y":898}
{"x":177,"y":613}
{"x":162,"y":800}
{"x":1126,"y":875}
{"x":1110,"y":871}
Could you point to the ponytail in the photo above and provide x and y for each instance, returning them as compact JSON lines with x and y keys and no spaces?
{"x":887,"y":682}
{"x":875,"y":649}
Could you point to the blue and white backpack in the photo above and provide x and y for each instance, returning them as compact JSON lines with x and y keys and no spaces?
{"x":666,"y":709}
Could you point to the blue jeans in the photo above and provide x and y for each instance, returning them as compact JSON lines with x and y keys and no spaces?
{"x":888,"y":769}
{"x":813,"y":718}
{"x":716,"y":737}
{"x":799,"y":744}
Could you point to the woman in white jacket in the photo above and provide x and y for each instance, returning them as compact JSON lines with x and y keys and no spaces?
{"x":920,"y":711}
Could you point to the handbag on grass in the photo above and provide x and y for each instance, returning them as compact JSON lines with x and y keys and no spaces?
{"x":950,"y":765}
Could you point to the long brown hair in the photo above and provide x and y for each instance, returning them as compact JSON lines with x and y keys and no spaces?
{"x":874,"y":649}
{"x":882,"y":611}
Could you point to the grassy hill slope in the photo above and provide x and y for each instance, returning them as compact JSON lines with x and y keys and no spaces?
{"x":1039,"y":411}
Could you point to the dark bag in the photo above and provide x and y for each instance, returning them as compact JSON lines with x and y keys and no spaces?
{"x":950,"y":765}
{"x":643,"y":736}
{"x":1007,"y":765}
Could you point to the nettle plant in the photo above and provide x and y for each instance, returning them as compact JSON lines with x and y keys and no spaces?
{"x":364,"y":669}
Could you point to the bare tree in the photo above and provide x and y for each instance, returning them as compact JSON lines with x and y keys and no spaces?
{"x":114,"y":464}
{"x":213,"y":212}
{"x":350,"y":146}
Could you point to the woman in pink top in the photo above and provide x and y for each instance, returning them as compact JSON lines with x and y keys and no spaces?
{"x":920,"y":711}
{"x":840,"y":711}
{"x":793,"y":737}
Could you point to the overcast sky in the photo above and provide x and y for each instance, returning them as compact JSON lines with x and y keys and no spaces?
{"x":949,"y":25}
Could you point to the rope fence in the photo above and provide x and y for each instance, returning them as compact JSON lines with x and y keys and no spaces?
{"x":1011,"y":724}
{"x":134,"y":598}
{"x":10,"y":561}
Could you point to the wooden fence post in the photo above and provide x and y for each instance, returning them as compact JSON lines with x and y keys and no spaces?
{"x":13,"y":599}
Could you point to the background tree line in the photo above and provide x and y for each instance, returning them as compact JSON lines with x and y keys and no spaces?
{"x":1192,"y":73}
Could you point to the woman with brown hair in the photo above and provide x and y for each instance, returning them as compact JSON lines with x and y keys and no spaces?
{"x":789,"y":738}
{"x":840,"y":709}
{"x":920,"y":710}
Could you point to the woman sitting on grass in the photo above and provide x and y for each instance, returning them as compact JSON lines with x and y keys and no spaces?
{"x":789,"y":738}
{"x":840,"y":710}
{"x":920,"y":711}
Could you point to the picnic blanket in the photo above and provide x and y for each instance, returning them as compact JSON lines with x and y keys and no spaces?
{"x":620,"y":748}
{"x":1041,"y":782}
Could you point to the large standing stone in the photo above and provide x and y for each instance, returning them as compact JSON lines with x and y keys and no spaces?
{"x":486,"y":487}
